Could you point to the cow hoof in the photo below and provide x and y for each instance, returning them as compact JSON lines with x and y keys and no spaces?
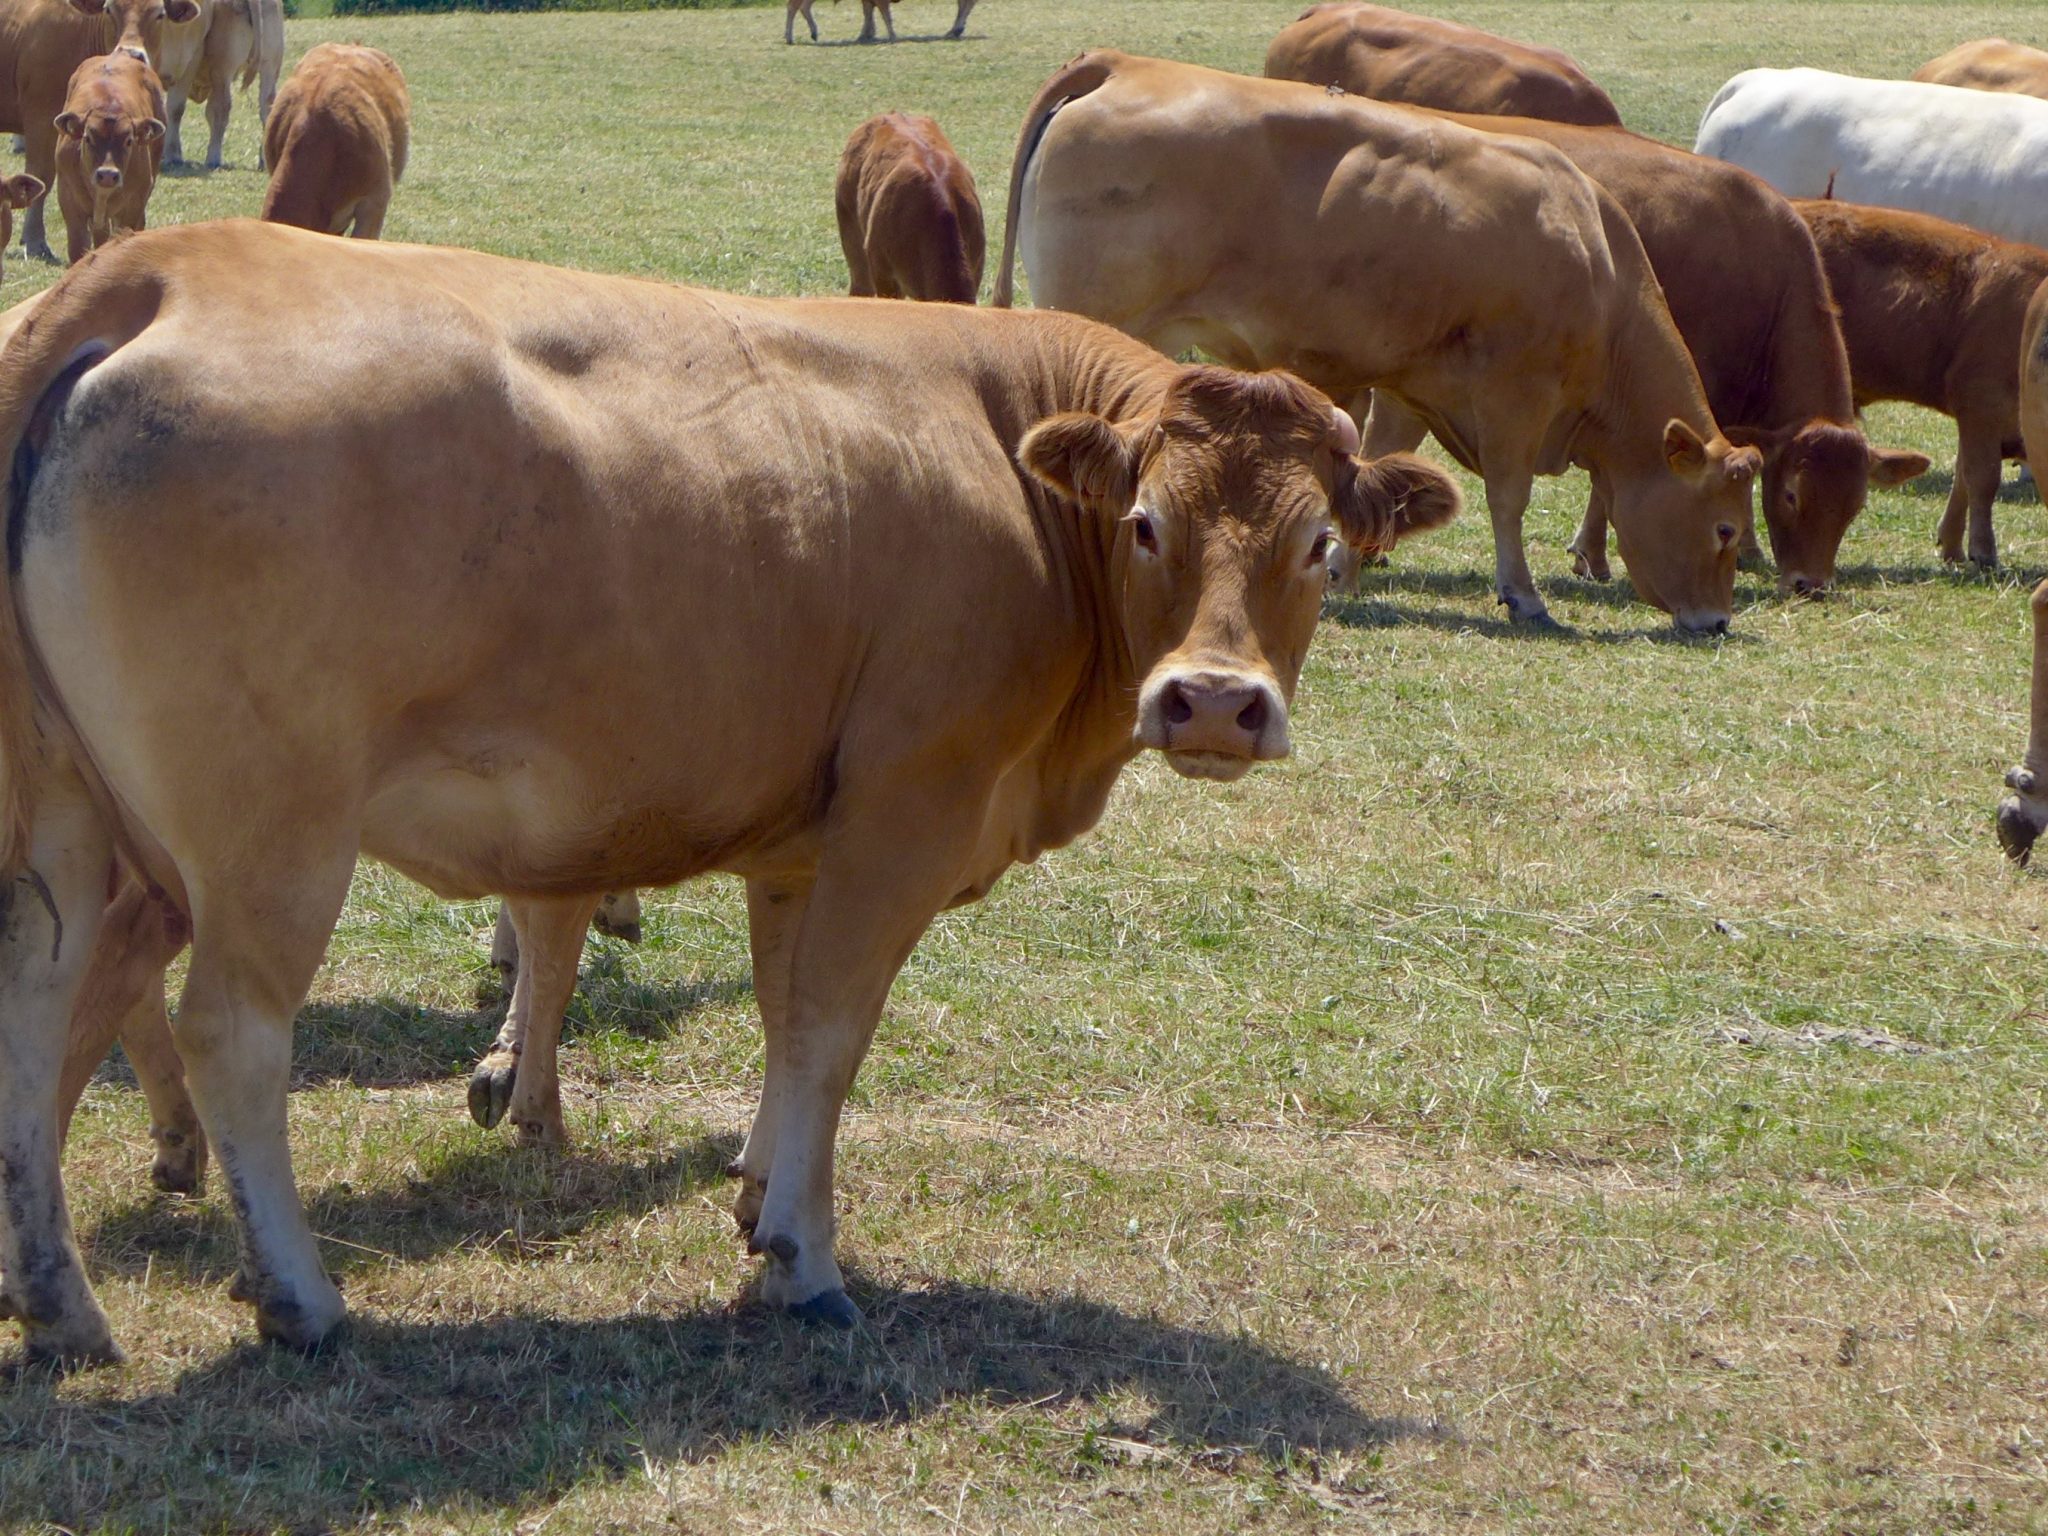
{"x":213,"y":162}
{"x":1590,"y":567}
{"x":39,"y":253}
{"x":490,"y":1087}
{"x":746,"y":1205}
{"x":70,"y":1350}
{"x":834,"y":1309}
{"x":2017,"y":830}
{"x":305,"y":1326}
{"x":180,"y":1165}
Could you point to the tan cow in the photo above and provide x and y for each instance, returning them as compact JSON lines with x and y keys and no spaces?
{"x":909,"y":220}
{"x":336,"y":141}
{"x":1745,"y":286}
{"x":16,"y":193}
{"x":867,"y":20}
{"x":109,"y":139}
{"x":42,"y":42}
{"x":1479,"y":279}
{"x":1932,"y":314}
{"x":2024,"y":813}
{"x":202,"y":59}
{"x":1990,"y":64}
{"x":1108,"y":552}
{"x":1390,"y":55}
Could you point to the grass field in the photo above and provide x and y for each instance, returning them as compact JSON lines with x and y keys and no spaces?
{"x":1597,"y":1086}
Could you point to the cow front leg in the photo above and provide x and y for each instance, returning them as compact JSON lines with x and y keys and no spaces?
{"x":519,"y":1075}
{"x":2024,"y":813}
{"x":867,"y":21}
{"x":1980,"y":465}
{"x":789,"y":21}
{"x":775,"y":909}
{"x":1507,"y":498}
{"x":40,"y":139}
{"x":959,"y":28}
{"x":50,"y":913}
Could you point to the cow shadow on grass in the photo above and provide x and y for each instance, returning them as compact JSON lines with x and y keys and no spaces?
{"x":885,"y":42}
{"x":1380,"y":606}
{"x":507,"y":1413}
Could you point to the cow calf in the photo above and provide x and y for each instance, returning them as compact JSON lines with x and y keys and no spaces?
{"x":109,"y":139}
{"x":909,"y":220}
{"x":15,"y":192}
{"x":336,"y":141}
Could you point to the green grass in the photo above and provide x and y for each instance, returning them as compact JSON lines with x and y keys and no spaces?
{"x":1597,"y":1086}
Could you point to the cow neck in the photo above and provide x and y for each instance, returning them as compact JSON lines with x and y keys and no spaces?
{"x":1650,"y":379}
{"x":1809,"y":361}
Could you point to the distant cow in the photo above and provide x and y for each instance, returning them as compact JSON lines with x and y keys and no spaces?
{"x":909,"y":221}
{"x":1975,"y":157}
{"x":109,"y":139}
{"x":1990,"y":64}
{"x":1932,"y":314}
{"x":2024,"y":814}
{"x":16,"y":192}
{"x":867,"y":19}
{"x":202,"y":60}
{"x":1389,"y":55}
{"x":42,"y":43}
{"x":336,"y":141}
{"x":1480,"y":279}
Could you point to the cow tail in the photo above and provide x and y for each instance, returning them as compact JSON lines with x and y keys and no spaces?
{"x":1085,"y":73}
{"x":77,"y":326}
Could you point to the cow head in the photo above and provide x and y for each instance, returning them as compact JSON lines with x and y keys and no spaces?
{"x":1815,"y":480}
{"x":139,"y":24}
{"x":1679,"y":526}
{"x":106,"y":139}
{"x":15,"y":192}
{"x":1224,"y":504}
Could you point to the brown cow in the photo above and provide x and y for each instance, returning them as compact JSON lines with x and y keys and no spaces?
{"x":16,"y":192}
{"x":909,"y":220}
{"x":1990,"y":64}
{"x":336,"y":141}
{"x":42,"y":43}
{"x":867,"y":20}
{"x":934,"y":649}
{"x":1390,"y":55}
{"x":109,"y":139}
{"x":1745,"y":286}
{"x":1479,"y":278}
{"x":2024,"y":813}
{"x":1932,"y":314}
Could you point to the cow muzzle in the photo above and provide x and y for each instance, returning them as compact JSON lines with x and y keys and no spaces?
{"x":106,"y":177}
{"x":1702,"y":621}
{"x":1213,"y":725}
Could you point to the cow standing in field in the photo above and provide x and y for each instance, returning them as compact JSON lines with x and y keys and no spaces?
{"x":2024,"y":813}
{"x":1932,"y":314}
{"x":1480,"y":279}
{"x":1389,"y":55}
{"x":1974,"y":157}
{"x":16,"y":192}
{"x":109,"y":139}
{"x":336,"y":141}
{"x":934,"y":650}
{"x":1990,"y":64}
{"x":42,"y":43}
{"x":909,"y":220}
{"x":231,"y":38}
{"x":867,"y":19}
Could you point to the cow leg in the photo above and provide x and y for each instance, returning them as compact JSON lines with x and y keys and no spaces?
{"x":775,"y":910}
{"x":1970,"y":498}
{"x":867,"y":21}
{"x":618,"y":916}
{"x":50,"y":913}
{"x":1507,"y":498}
{"x":888,"y":18}
{"x":518,"y":1074}
{"x":256,"y":946}
{"x":505,"y":953}
{"x":2024,"y":813}
{"x":960,"y":19}
{"x":41,"y":153}
{"x":370,"y":217}
{"x":789,"y":21}
{"x":1386,"y":426}
{"x":174,"y":124}
{"x":179,"y":1167}
{"x":1589,"y":548}
{"x":218,"y":106}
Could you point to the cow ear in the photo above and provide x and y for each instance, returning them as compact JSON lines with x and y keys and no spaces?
{"x":1684,"y":449}
{"x":180,"y":10}
{"x":23,"y":190}
{"x":1086,"y":459}
{"x":1895,"y":466}
{"x":1379,"y":502}
{"x":151,"y":130}
{"x":70,"y":123}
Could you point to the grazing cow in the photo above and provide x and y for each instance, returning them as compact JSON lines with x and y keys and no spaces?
{"x":909,"y":221}
{"x":1746,"y":289}
{"x":1976,"y":157}
{"x":1932,"y":314}
{"x":867,"y":20}
{"x":42,"y":42}
{"x":1389,"y":55}
{"x":109,"y":138}
{"x":934,"y":649}
{"x":1479,"y":279}
{"x":1990,"y":64}
{"x":203,"y":59}
{"x":336,"y":141}
{"x":2024,"y":813}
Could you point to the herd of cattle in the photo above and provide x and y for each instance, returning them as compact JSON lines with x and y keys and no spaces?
{"x":910,"y":656}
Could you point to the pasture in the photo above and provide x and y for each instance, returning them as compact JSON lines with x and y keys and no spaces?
{"x":1599,"y":1084}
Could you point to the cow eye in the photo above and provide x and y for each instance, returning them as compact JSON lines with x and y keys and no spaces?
{"x":1147,"y":535}
{"x":1319,"y":552}
{"x":1791,"y":498}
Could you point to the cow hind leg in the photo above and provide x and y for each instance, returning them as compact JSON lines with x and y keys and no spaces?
{"x":1588,"y":547}
{"x":179,"y":1166}
{"x":775,"y":910}
{"x":41,"y":156}
{"x":50,"y":912}
{"x":218,"y":107}
{"x":2024,"y":813}
{"x":519,"y":1075}
{"x":174,"y":125}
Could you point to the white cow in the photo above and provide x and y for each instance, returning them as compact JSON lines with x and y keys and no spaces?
{"x":202,"y":60}
{"x":1972,"y":157}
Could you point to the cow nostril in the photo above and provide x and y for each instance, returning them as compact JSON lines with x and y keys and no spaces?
{"x":1253,"y":716}
{"x":1720,"y":627}
{"x":1178,"y":710}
